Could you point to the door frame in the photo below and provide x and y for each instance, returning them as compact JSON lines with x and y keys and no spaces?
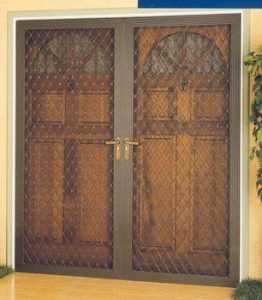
{"x":22,"y":26}
{"x":234,"y":20}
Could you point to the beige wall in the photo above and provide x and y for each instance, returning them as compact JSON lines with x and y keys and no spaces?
{"x":255,"y":233}
{"x":26,"y":5}
{"x":255,"y":208}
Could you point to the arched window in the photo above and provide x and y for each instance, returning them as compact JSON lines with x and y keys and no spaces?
{"x":80,"y":54}
{"x":185,"y":51}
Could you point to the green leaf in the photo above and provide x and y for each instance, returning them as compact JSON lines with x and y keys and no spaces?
{"x":259,"y":134}
{"x":252,"y":153}
{"x":249,"y":58}
{"x":252,"y":118}
{"x":258,"y":96}
{"x":259,"y":192}
{"x":250,"y":68}
{"x":253,"y":62}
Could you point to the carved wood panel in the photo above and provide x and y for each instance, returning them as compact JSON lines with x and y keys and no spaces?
{"x":94,"y":176}
{"x":50,"y":107}
{"x":94,"y":107}
{"x":157,"y":221}
{"x":46,"y":203}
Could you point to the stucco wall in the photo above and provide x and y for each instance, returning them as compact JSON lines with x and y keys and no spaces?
{"x":29,"y":5}
{"x":255,"y":208}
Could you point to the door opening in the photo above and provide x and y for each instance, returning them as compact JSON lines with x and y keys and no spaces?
{"x":149,"y":192}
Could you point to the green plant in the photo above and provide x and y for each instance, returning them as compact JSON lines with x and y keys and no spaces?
{"x":253,"y":61}
{"x":5,"y":271}
{"x":249,"y":289}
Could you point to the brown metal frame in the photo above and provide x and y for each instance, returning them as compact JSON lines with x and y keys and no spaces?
{"x":123,"y":127}
{"x":22,"y":26}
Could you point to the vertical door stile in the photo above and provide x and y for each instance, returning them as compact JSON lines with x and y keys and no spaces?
{"x":128,"y":110}
{"x":120,"y":129}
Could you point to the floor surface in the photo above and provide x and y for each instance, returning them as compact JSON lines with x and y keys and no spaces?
{"x":25,"y":286}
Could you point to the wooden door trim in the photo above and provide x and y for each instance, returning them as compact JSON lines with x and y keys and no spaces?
{"x":234,"y":20}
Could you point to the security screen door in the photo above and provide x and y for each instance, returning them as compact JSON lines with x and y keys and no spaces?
{"x":127,"y":148}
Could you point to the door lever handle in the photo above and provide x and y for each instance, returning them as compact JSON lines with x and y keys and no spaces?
{"x":113,"y":142}
{"x":118,"y":147}
{"x":129,"y":143}
{"x":133,"y":143}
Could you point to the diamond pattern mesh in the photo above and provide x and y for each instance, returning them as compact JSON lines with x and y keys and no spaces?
{"x":68,"y":167}
{"x":181,"y":180}
{"x":181,"y":166}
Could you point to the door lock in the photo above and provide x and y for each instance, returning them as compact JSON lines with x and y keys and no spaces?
{"x":129,"y":143}
{"x":115,"y":142}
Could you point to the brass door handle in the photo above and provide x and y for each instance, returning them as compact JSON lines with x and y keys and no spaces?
{"x":116,"y":142}
{"x":133,"y":143}
{"x":127,"y":144}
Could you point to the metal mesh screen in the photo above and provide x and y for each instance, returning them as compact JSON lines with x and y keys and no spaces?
{"x":181,"y":179}
{"x":68,"y":209}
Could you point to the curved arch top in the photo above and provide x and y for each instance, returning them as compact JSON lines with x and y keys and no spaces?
{"x":185,"y":50}
{"x":81,"y":53}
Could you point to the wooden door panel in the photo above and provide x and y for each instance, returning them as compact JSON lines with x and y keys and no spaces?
{"x":210,"y":104}
{"x":50,"y":107}
{"x":156,"y":214}
{"x":46,"y":203}
{"x":94,"y":107}
{"x":209,"y":200}
{"x":94,"y":176}
{"x":181,"y":180}
{"x":158,"y":104}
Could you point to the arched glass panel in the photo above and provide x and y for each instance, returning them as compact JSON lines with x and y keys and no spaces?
{"x":80,"y":53}
{"x":185,"y":50}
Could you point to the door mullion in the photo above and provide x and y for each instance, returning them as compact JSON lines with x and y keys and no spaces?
{"x":119,"y":132}
{"x":128,"y":112}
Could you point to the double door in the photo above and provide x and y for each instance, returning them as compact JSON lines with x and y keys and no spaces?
{"x":126,"y":166}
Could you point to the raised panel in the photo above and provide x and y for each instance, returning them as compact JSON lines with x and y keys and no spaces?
{"x":50,"y":107}
{"x":157,"y":212}
{"x":94,"y":107}
{"x":159,"y":104}
{"x":210,"y":195}
{"x":95,"y":193}
{"x":209,"y":104}
{"x":47,"y":189}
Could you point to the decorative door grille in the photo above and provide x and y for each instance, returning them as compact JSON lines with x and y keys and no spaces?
{"x":182,"y":107}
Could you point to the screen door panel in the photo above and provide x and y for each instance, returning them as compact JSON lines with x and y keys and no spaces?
{"x":68,"y":167}
{"x":181,"y":166}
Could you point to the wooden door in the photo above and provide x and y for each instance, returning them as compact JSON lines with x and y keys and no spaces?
{"x":181,"y":167}
{"x":69,"y":107}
